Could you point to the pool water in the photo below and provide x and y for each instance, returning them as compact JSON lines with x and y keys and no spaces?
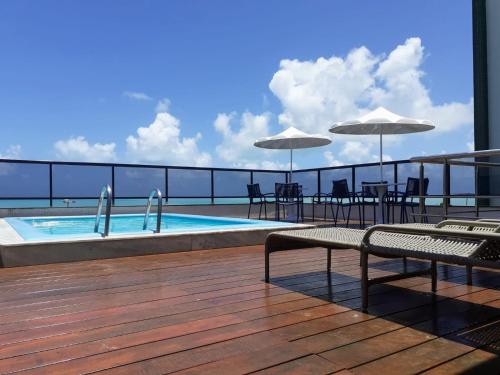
{"x":41,"y":228}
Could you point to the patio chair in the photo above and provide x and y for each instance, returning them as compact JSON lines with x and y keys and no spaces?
{"x":369,"y":197}
{"x":289,"y":196}
{"x":468,"y":243}
{"x":256,"y":197}
{"x":340,"y":197}
{"x":405,"y":200}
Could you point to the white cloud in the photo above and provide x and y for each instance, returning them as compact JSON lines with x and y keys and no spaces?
{"x":163,"y":105}
{"x":237,"y":145}
{"x":315,"y":94}
{"x":161,"y":142}
{"x":330,"y":159}
{"x":356,"y":151}
{"x":137,"y":95}
{"x":78,"y":149}
{"x":12,"y":152}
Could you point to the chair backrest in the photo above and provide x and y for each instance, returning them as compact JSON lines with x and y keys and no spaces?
{"x":413,"y":186}
{"x":287,"y":192}
{"x":253,"y":191}
{"x":340,"y":188}
{"x":368,"y":190}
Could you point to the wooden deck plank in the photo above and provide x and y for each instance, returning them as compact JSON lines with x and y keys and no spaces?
{"x":209,"y":311}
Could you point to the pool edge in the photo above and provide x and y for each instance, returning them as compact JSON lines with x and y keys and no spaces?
{"x":30,"y":253}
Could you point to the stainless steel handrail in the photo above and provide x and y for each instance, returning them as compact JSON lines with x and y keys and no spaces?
{"x":105,"y":191}
{"x":154,"y":192}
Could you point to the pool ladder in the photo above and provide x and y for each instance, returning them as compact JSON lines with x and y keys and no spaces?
{"x":105,"y":191}
{"x":157,"y":193}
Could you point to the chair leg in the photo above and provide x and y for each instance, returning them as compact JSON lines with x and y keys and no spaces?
{"x":334,"y":218}
{"x":364,"y":279}
{"x":260,"y":211}
{"x":348,"y":215}
{"x":313,"y":211}
{"x":434,"y":275}
{"x":249,"y":207}
{"x":336,"y":215}
{"x":277,"y":212}
{"x":265,"y":210}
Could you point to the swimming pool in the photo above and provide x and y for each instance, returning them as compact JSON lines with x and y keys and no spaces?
{"x":67,"y":227}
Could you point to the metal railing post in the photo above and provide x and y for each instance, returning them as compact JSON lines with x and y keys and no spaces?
{"x":166,"y":185}
{"x":396,"y":176}
{"x":421,"y":199}
{"x":353,"y":179}
{"x":446,"y":188}
{"x":319,"y":181}
{"x":476,"y":189}
{"x":113,"y":184}
{"x":51,"y":194}
{"x":212,"y":193}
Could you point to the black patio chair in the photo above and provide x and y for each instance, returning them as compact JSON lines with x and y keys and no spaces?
{"x":289,"y":195}
{"x":405,"y":200}
{"x":256,"y":197}
{"x":340,"y":197}
{"x":369,"y":197}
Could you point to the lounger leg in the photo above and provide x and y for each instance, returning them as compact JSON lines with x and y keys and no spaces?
{"x":405,"y":263}
{"x":469,"y":275}
{"x":329,"y":259}
{"x":364,"y":279}
{"x":267,"y":263}
{"x":434,"y":276}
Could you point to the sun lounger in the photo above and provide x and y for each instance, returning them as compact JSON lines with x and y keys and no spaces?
{"x":458,"y":242}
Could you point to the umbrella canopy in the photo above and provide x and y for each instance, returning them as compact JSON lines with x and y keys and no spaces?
{"x":290,"y":139}
{"x":382,"y":121}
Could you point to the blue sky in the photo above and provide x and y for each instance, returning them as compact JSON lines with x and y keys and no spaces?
{"x":79,"y":78}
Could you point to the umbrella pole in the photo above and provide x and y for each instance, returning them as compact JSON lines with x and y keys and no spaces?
{"x":291,"y":163}
{"x":381,"y":165}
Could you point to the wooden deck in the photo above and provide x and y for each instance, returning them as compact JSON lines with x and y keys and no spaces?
{"x":209,"y":312}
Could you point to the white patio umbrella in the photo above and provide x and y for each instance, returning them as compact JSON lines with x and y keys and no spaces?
{"x":291,"y":139}
{"x":380,"y":122}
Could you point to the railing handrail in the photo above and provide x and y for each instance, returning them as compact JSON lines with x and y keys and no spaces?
{"x":105,"y":191}
{"x":155,"y":192}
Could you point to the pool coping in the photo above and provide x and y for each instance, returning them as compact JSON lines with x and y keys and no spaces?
{"x":19,"y":252}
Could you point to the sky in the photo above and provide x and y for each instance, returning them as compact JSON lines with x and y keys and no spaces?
{"x":194,"y":83}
